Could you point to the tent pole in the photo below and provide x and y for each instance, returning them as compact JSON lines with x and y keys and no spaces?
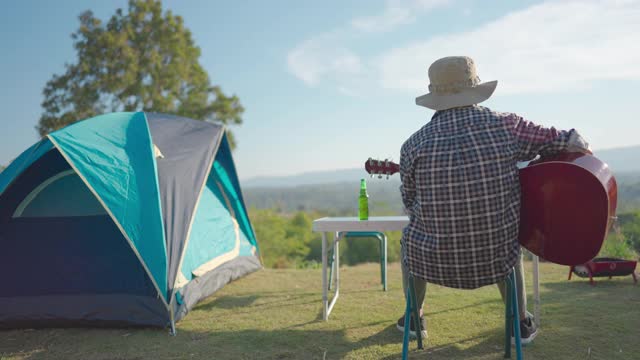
{"x":172,"y":330}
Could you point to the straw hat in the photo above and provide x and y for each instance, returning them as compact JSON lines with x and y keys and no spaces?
{"x":454,"y":83}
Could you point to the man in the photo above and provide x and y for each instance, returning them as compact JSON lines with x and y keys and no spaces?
{"x":461,"y":190}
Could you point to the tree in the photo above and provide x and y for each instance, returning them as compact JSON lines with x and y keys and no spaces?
{"x":142,"y":60}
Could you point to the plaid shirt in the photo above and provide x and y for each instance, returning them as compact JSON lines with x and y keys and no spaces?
{"x":461,"y":189}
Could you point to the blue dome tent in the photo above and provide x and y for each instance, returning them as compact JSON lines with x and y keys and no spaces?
{"x":124,"y":219}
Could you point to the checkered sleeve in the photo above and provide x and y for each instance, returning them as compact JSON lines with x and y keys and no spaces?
{"x":408,"y":186}
{"x":532,"y":139}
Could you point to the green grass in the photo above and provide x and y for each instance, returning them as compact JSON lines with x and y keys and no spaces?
{"x":276,"y":314}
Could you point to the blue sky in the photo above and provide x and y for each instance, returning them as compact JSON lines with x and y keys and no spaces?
{"x":328,"y":84}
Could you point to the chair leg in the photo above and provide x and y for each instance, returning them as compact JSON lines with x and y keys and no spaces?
{"x":516,"y":314}
{"x":507,"y":320}
{"x":411,"y":309}
{"x":407,"y":318}
{"x":512,"y":318}
{"x":416,"y":311}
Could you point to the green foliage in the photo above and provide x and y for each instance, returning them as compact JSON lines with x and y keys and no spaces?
{"x":283,"y":240}
{"x":287,"y":240}
{"x":140,"y":60}
{"x":627,"y":231}
{"x":624,"y":240}
{"x":617,"y":246}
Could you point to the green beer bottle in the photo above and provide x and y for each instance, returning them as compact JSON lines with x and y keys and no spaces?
{"x":363,"y":201}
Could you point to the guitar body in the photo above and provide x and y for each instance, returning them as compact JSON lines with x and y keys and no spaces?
{"x":568,"y":206}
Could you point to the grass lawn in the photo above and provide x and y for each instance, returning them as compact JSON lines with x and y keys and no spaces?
{"x":276,"y":314}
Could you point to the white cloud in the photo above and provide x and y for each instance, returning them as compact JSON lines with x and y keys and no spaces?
{"x":328,"y":56}
{"x":396,"y":13}
{"x":551,"y":47}
{"x":323,"y":56}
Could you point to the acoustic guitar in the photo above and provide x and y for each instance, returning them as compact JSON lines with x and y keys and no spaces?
{"x":568,"y":205}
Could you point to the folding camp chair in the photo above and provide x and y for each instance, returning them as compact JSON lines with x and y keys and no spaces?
{"x":512,"y":318}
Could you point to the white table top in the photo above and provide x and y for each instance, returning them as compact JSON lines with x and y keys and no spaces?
{"x":375,"y":223}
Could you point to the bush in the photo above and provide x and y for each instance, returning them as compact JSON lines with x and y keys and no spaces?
{"x":628,"y":225}
{"x":284,"y":240}
{"x":287,"y":241}
{"x":616,"y":245}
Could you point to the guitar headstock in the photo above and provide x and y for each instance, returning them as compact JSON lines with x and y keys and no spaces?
{"x":381,"y":167}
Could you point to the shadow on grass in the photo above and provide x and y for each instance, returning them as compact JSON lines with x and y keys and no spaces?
{"x":231,"y":302}
{"x":270,"y":301}
{"x":156,"y":344}
{"x":448,"y":310}
{"x":613,"y":291}
{"x":248,"y":304}
{"x":491,"y":346}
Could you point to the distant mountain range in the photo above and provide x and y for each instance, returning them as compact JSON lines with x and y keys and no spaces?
{"x":621,"y":160}
{"x":310,"y":178}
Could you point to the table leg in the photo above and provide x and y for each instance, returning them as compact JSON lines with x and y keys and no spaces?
{"x":325,"y":300}
{"x":336,"y":244}
{"x":384,"y":281}
{"x":336,"y":254}
{"x":536,"y":290}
